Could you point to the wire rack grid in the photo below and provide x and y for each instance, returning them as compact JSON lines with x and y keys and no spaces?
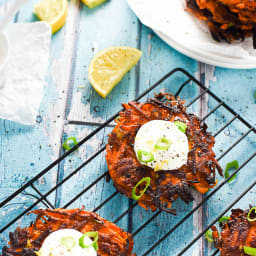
{"x":41,"y":197}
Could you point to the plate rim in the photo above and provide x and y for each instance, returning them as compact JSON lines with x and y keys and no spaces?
{"x":197,"y":56}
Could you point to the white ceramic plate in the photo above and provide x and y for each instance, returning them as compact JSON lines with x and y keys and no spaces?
{"x":181,"y":30}
{"x":207,"y":57}
{"x":4,"y":53}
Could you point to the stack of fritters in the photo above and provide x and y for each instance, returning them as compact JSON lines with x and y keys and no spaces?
{"x":227,"y":20}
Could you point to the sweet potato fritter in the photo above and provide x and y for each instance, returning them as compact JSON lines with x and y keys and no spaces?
{"x":227,"y":20}
{"x":166,"y":186}
{"x":113,"y":241}
{"x":236,"y":233}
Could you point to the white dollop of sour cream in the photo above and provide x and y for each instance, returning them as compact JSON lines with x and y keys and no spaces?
{"x":161,"y":145}
{"x":52,"y":245}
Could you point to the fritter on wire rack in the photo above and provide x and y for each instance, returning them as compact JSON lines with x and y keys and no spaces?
{"x":157,"y":151}
{"x":69,"y":232}
{"x":238,"y":234}
{"x":227,"y":20}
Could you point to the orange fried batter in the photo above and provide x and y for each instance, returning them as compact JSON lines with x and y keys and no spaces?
{"x":113,"y":241}
{"x":236,"y":233}
{"x":166,"y":186}
{"x":227,"y":20}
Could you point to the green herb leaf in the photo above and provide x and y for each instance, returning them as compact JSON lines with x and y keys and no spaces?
{"x":224,"y":219}
{"x":250,"y":250}
{"x":93,"y":235}
{"x":208,"y":236}
{"x":163,"y":144}
{"x":249,"y":214}
{"x":234,"y":164}
{"x":69,"y":143}
{"x":144,"y":156}
{"x":147,"y":181}
{"x":182,"y":126}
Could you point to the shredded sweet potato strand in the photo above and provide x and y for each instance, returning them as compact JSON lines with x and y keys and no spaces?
{"x":113,"y":241}
{"x":166,"y":186}
{"x":236,"y":233}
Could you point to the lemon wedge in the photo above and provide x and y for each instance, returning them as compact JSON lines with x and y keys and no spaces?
{"x":109,"y":66}
{"x":93,"y":3}
{"x":52,"y":11}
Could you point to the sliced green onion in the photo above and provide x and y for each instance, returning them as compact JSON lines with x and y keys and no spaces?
{"x":91,"y":234}
{"x":250,"y":250}
{"x":69,"y":242}
{"x":117,"y":119}
{"x":69,"y":143}
{"x":234,"y":164}
{"x":208,"y":236}
{"x":163,"y":143}
{"x":145,"y":156}
{"x":224,"y":219}
{"x":250,"y":212}
{"x":147,"y":181}
{"x":182,"y":126}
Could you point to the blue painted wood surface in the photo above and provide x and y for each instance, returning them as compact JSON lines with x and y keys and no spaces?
{"x":25,"y":151}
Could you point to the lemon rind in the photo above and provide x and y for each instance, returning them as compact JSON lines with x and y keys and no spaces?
{"x":95,"y":85}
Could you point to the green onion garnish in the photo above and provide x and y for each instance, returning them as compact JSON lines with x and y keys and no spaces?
{"x":182,"y":126}
{"x":117,"y":119}
{"x":147,"y":181}
{"x":250,"y":250}
{"x":208,"y":236}
{"x":250,"y":212}
{"x":145,"y":156}
{"x":91,"y":234}
{"x":163,"y":144}
{"x":224,"y":219}
{"x":234,"y":164}
{"x":69,"y":143}
{"x":68,"y":241}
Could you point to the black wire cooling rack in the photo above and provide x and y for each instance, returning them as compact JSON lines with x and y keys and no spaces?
{"x":41,"y":197}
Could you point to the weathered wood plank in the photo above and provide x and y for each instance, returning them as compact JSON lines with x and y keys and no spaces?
{"x":86,"y":32}
{"x":102,"y":190}
{"x":109,"y":25}
{"x":87,"y":106}
{"x":24,"y":151}
{"x":159,"y":59}
{"x":236,"y":88}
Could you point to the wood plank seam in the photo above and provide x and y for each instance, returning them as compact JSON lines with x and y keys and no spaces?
{"x":66,"y":105}
{"x":206,"y":71}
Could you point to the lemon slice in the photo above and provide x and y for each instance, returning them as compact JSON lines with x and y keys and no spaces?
{"x":109,"y":66}
{"x":93,"y":3}
{"x":52,"y":11}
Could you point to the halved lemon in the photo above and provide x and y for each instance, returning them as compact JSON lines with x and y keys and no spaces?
{"x":52,"y":11}
{"x":109,"y":66}
{"x":93,"y":3}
